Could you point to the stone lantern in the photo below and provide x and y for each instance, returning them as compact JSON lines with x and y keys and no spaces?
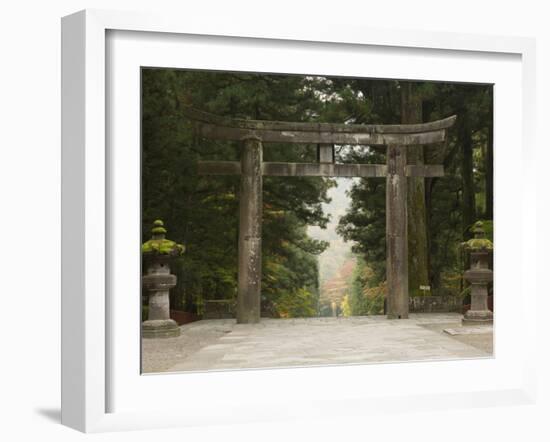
{"x":157,"y":254}
{"x":479,"y":276}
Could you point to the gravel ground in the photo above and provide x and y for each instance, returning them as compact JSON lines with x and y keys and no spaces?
{"x":481,"y":341}
{"x":159,"y":355}
{"x":223,"y":344}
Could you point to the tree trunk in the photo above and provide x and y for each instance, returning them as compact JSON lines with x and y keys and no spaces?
{"x":411,"y":112}
{"x":489,"y":174}
{"x":468,"y":188}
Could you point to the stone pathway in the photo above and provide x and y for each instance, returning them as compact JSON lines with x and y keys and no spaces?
{"x":312,"y":341}
{"x":470,"y":330}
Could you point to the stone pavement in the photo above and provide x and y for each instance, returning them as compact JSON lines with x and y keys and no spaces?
{"x":314,"y":341}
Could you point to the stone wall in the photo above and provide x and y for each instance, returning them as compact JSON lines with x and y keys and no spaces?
{"x":182,"y":317}
{"x":219,"y":309}
{"x":434,"y":304}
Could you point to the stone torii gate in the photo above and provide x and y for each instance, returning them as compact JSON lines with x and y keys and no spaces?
{"x":251,"y":168}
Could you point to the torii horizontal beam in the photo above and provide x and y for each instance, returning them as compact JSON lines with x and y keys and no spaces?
{"x":232,"y":129}
{"x":303,"y":137}
{"x":318,"y":169}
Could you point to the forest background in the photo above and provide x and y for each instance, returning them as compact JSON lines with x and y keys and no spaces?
{"x":201,"y":212}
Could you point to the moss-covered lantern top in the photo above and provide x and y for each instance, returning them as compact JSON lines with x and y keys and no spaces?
{"x":159,"y":245}
{"x":479,"y":242}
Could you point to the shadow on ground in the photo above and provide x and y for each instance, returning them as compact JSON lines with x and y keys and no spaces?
{"x":51,"y":414}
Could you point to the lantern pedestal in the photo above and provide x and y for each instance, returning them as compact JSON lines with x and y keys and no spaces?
{"x":160,"y":328}
{"x":479,"y":313}
{"x":479,"y":276}
{"x":157,"y":282}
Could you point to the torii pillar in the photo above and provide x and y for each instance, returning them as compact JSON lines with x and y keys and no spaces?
{"x":397,"y":270}
{"x":250,"y":232}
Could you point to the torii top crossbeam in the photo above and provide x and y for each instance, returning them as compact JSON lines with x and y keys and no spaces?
{"x":225,"y":128}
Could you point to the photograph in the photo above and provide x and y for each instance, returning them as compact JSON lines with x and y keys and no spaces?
{"x":258,"y":222}
{"x":312,"y":220}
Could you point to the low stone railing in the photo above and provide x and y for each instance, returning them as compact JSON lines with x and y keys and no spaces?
{"x":435,"y":304}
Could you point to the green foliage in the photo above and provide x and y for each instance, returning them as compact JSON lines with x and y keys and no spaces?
{"x":158,"y":227}
{"x":202,"y":211}
{"x":159,"y":245}
{"x":478,"y":244}
{"x":367,"y":297}
{"x":346,"y":307}
{"x":144,"y":312}
{"x":480,"y":241}
{"x":486,"y":227}
{"x":290,"y":272}
{"x":162,"y":247}
{"x":298,"y":303}
{"x":447,"y":209}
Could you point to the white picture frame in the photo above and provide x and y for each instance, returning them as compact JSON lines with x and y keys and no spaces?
{"x":86,"y":316}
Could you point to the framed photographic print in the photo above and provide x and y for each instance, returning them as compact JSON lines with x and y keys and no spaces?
{"x":251,"y":217}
